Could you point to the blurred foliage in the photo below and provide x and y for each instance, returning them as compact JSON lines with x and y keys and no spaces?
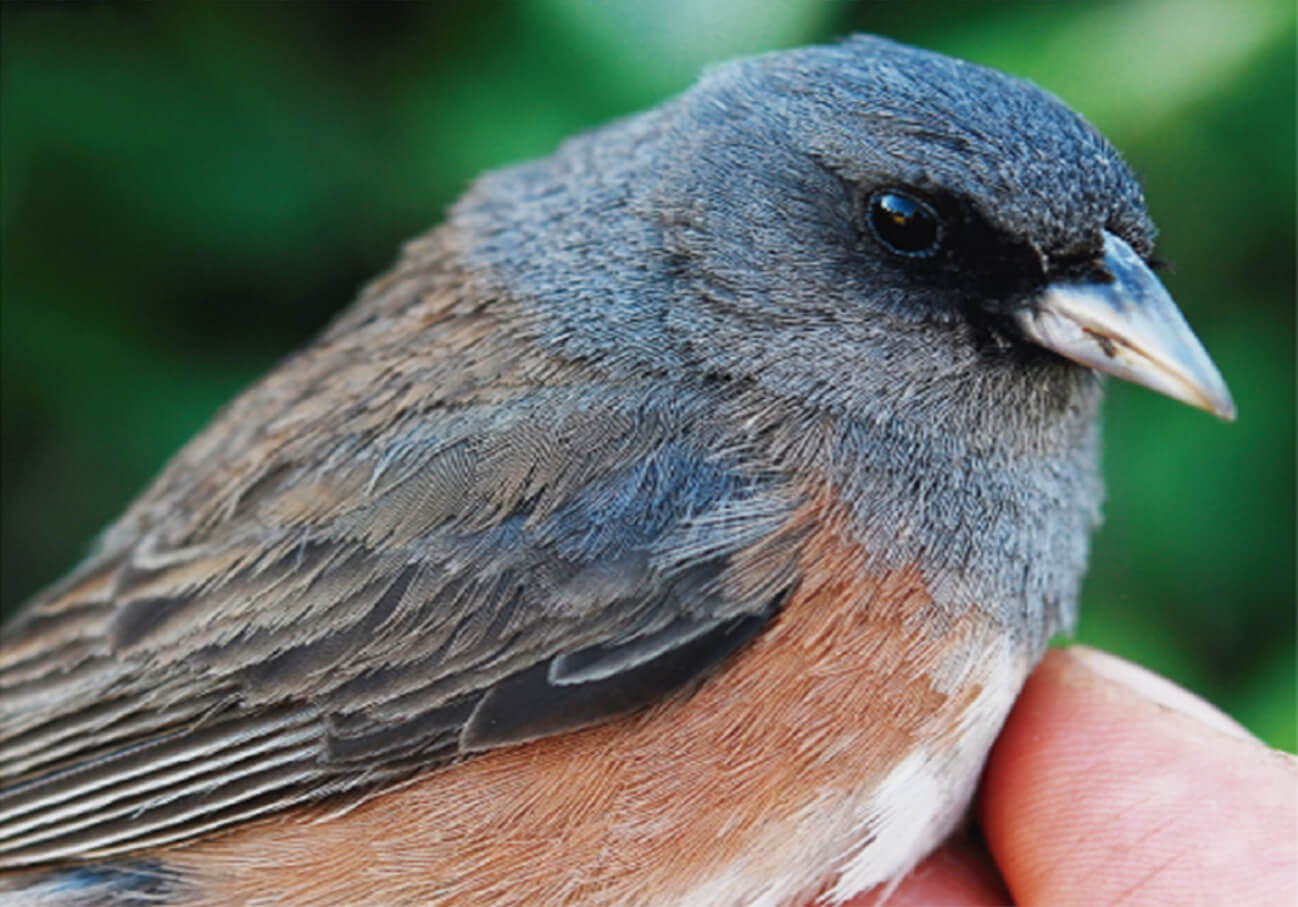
{"x":189,"y":191}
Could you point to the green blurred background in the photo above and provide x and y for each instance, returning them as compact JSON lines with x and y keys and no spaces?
{"x":189,"y":191}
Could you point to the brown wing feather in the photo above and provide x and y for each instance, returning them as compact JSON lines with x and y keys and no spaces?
{"x":356,"y":572}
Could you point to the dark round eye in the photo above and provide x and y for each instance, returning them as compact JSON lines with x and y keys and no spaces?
{"x":904,"y":224}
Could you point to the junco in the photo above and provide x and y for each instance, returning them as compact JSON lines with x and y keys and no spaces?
{"x":675,"y":524}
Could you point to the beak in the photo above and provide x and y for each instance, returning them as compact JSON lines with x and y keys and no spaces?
{"x":1130,"y":328}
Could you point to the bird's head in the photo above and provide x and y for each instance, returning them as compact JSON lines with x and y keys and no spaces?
{"x":864,"y":227}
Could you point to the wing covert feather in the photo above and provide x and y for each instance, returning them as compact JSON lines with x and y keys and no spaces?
{"x":290,"y":613}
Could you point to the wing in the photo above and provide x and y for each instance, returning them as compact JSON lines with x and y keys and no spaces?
{"x":412,"y":542}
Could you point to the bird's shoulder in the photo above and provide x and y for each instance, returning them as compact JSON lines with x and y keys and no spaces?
{"x":416,"y":539}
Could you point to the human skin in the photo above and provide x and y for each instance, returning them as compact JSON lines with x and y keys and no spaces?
{"x":1111,"y":785}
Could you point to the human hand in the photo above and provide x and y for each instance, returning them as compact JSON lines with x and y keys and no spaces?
{"x":1111,"y":785}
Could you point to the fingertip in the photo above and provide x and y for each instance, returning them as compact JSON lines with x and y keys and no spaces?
{"x":1155,"y":688}
{"x":959,"y":874}
{"x":1109,"y":782}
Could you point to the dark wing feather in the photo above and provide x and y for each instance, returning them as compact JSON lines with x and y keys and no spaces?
{"x":323,"y":593}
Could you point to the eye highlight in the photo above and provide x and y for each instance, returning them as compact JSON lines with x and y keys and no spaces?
{"x":904,"y":224}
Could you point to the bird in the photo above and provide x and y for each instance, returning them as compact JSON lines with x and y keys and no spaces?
{"x":675,"y":523}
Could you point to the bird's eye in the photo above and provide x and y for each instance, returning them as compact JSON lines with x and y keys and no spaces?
{"x":904,"y":224}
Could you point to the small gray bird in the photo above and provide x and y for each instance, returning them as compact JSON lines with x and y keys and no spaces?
{"x":676,"y":524}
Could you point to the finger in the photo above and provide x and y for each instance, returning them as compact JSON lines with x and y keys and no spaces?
{"x":1110,"y":784}
{"x":960,"y":874}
